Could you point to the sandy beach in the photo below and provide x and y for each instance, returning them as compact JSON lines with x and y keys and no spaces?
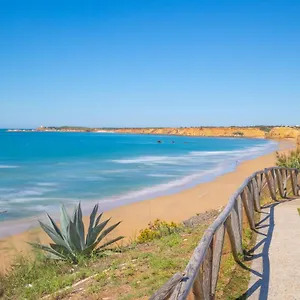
{"x":176,"y":207}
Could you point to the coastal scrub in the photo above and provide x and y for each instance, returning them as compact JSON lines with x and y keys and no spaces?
{"x":290,"y":160}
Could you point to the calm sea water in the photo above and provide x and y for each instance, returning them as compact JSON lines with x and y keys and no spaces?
{"x":38,"y":171}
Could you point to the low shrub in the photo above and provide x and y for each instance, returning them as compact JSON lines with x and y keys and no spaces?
{"x":291,"y":160}
{"x":156,"y":230}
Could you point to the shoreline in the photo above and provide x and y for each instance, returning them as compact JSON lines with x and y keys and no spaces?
{"x":15,"y":226}
{"x":172,"y":207}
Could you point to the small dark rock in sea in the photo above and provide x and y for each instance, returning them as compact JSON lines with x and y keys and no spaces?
{"x":159,"y":142}
{"x":173,"y":142}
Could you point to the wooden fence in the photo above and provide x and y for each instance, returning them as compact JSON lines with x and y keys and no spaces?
{"x":199,"y":280}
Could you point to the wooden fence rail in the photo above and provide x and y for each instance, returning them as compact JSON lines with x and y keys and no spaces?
{"x":199,"y":280}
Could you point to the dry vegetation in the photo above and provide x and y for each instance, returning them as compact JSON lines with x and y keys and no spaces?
{"x":132,"y":272}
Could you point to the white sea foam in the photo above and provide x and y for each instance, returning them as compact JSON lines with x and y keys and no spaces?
{"x":142,"y":159}
{"x":47,"y":184}
{"x":25,"y":193}
{"x":93,"y":178}
{"x":161,"y":175}
{"x":116,"y":171}
{"x":194,"y":156}
{"x":8,"y":167}
{"x":161,"y":188}
{"x":41,"y":199}
{"x":6,"y":190}
{"x":223,"y":161}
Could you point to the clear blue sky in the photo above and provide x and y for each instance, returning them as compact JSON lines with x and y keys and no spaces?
{"x":149,"y":63}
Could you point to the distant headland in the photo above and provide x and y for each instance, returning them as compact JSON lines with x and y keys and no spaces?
{"x":272,"y":132}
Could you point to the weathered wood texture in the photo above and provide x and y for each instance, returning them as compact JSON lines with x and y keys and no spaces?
{"x":201,"y":274}
{"x":166,"y":291}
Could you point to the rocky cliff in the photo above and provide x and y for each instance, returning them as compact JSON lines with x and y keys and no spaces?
{"x":298,"y":141}
{"x":283,"y":133}
{"x":200,"y":131}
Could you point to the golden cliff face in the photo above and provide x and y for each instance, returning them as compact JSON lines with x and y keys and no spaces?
{"x":283,"y":133}
{"x":200,"y":131}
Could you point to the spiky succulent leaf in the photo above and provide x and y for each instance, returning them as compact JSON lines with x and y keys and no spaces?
{"x":74,"y":238}
{"x":107,"y":231}
{"x":95,"y":232}
{"x":47,"y":249}
{"x":93,"y":247}
{"x":69,"y":240}
{"x":79,"y":226}
{"x":74,"y":214}
{"x":54,"y":226}
{"x":64,"y":251}
{"x":64,"y":221}
{"x":92,"y":221}
{"x":98,"y":219}
{"x":55,"y":237}
{"x":110,"y":242}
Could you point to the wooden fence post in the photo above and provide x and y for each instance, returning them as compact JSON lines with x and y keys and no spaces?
{"x":167,"y":289}
{"x":248,"y":209}
{"x":270,"y":184}
{"x":217,"y":254}
{"x":197,"y":289}
{"x":232,"y":226}
{"x":273,"y":173}
{"x":259,"y":182}
{"x":238,"y":206}
{"x":294,"y":182}
{"x":255,"y":194}
{"x":206,"y":274}
{"x":284,"y":180}
{"x":280,"y":183}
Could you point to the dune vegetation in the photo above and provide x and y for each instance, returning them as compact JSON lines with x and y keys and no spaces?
{"x":289,"y":160}
{"x":132,"y":271}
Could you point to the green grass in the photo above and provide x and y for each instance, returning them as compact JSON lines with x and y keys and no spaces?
{"x":31,"y":279}
{"x":298,"y":211}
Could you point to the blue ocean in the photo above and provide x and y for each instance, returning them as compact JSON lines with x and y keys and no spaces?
{"x":40,"y":170}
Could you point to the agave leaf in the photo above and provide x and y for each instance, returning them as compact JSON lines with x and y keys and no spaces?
{"x":107,"y":231}
{"x":74,"y":238}
{"x":95,"y":232}
{"x":93,"y":246}
{"x":110,"y":242}
{"x":54,"y":226}
{"x":56,"y":238}
{"x":48,"y":249}
{"x":74,"y":214}
{"x":64,"y":251}
{"x":79,"y":225}
{"x":92,"y":221}
{"x":89,"y":238}
{"x":98,"y":219}
{"x":64,"y":221}
{"x":53,"y":256}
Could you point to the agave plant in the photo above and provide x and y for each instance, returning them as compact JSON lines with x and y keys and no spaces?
{"x":70,"y":241}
